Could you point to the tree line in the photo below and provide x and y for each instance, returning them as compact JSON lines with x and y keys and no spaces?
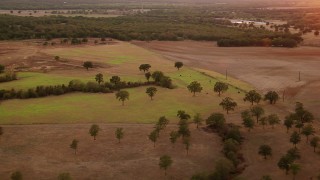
{"x":143,"y":27}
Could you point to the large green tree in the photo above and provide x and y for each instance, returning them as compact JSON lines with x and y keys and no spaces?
{"x":115,"y":80}
{"x":194,"y":87}
{"x":147,"y":75}
{"x":165,"y":163}
{"x":94,"y":130}
{"x":265,"y":150}
{"x":314,"y":142}
{"x":151,"y":91}
{"x":197,"y":119}
{"x":74,"y":145}
{"x":288,"y":122}
{"x":272,"y":97}
{"x":178,"y":65}
{"x":252,"y":96}
{"x":157,"y":76}
{"x":87,"y":65}
{"x":307,"y":131}
{"x":99,"y":78}
{"x":220,"y":87}
{"x":144,"y":67}
{"x":295,"y":138}
{"x":285,"y":162}
{"x":273,"y":119}
{"x":183,"y":115}
{"x":122,"y":96}
{"x":228,"y":104}
{"x":174,"y":135}
{"x":153,"y":136}
{"x":216,"y":120}
{"x":248,"y":122}
{"x":257,"y":111}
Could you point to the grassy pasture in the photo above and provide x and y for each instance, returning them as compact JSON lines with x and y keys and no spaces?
{"x":84,"y":108}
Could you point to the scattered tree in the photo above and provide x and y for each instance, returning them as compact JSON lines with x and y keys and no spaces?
{"x":295,"y":168}
{"x":165,"y":163}
{"x":299,"y":124}
{"x":220,"y":87}
{"x":144,"y":67}
{"x":197,"y":120}
{"x":157,"y":75}
{"x":99,"y":78}
{"x":147,"y":75}
{"x":119,"y":134}
{"x":228,"y":104}
{"x":257,"y":111}
{"x":74,"y":145}
{"x":184,"y":130}
{"x":178,"y":65}
{"x":303,"y":115}
{"x":57,"y":58}
{"x":151,"y":91}
{"x":87,"y":65}
{"x":272,"y":97}
{"x":216,"y":120}
{"x":161,"y":124}
{"x":115,"y":80}
{"x":223,"y":169}
{"x":183,"y":115}
{"x":174,"y":135}
{"x":94,"y":130}
{"x":295,"y":138}
{"x":195,"y":87}
{"x":153,"y":136}
{"x":64,"y":176}
{"x":273,"y":119}
{"x":307,"y":131}
{"x":16,"y":175}
{"x":186,"y":142}
{"x":2,"y":68}
{"x":122,"y":96}
{"x":263,"y":121}
{"x":248,"y":123}
{"x":314,"y":142}
{"x":288,"y":122}
{"x":253,"y":97}
{"x":285,"y":163}
{"x":294,"y":154}
{"x":265,"y":150}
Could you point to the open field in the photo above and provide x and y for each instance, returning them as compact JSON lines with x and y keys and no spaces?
{"x":264,"y":68}
{"x":78,"y":107}
{"x":42,"y":152}
{"x":39,"y":148}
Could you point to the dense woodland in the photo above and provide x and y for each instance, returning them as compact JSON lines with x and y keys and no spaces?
{"x":156,"y":25}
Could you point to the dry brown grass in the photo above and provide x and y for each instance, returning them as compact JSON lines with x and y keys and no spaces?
{"x":42,"y":152}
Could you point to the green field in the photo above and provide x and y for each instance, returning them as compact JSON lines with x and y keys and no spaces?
{"x":88,"y":108}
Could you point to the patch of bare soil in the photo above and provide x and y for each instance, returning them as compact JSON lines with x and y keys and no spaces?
{"x":27,"y":56}
{"x":42,"y":152}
